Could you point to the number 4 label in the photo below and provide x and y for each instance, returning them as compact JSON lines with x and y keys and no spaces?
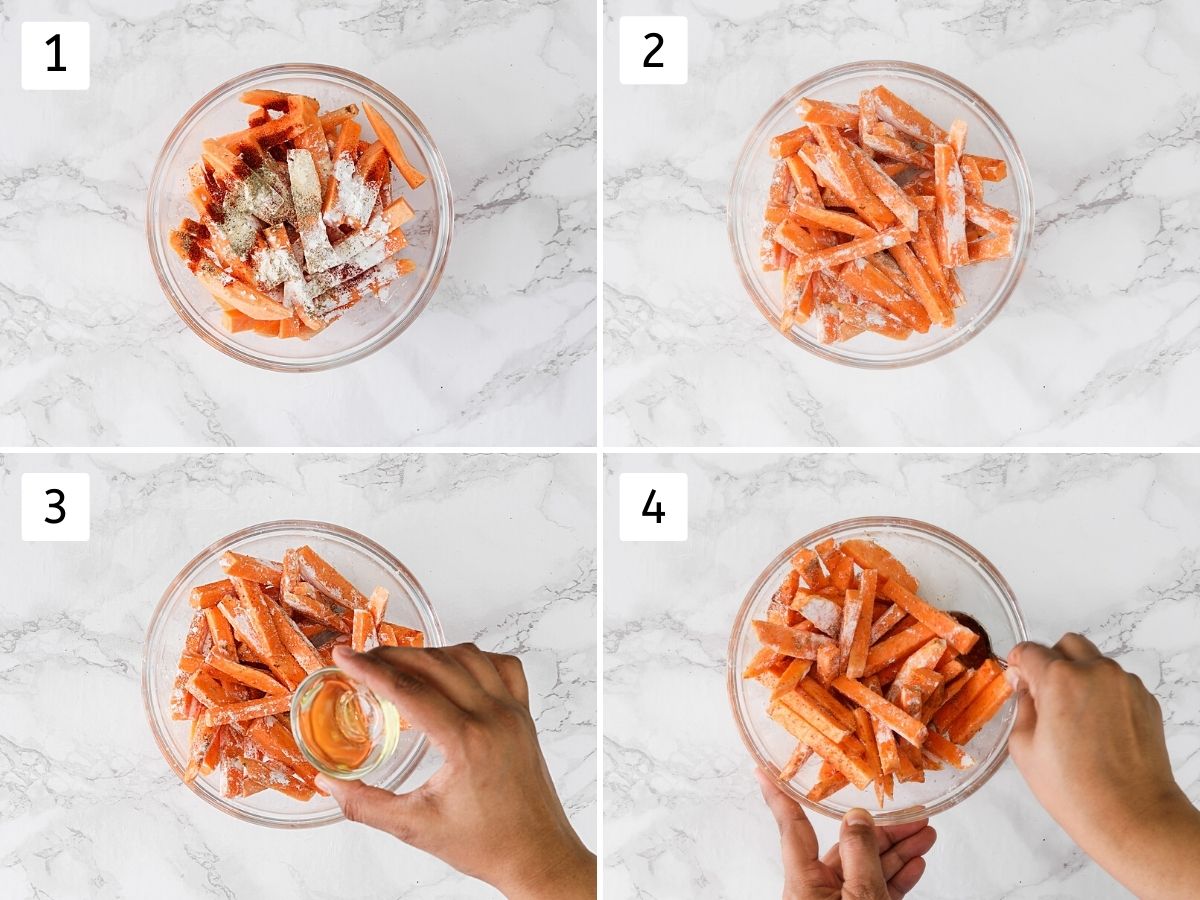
{"x":55,"y":506}
{"x":653,"y":506}
{"x":56,"y":56}
{"x":653,"y":49}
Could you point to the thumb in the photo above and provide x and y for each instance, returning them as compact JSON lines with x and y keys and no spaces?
{"x":397,"y":814}
{"x":859,"y":850}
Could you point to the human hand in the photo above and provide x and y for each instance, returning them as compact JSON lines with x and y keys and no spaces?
{"x":491,"y":810}
{"x":1089,"y":740}
{"x":867,"y":863}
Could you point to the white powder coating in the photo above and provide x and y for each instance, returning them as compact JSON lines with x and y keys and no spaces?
{"x":239,"y":227}
{"x":306,"y":198}
{"x":275,"y":265}
{"x":355,"y":194}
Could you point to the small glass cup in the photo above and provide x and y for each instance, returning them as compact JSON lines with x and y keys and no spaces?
{"x":341,"y":726}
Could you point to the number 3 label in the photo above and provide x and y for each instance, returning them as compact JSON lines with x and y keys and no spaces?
{"x":55,"y":506}
{"x":653,"y":506}
{"x":653,"y":49}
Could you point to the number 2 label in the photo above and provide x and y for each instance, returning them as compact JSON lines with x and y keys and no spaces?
{"x":653,"y":49}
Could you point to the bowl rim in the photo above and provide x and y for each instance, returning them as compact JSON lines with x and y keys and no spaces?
{"x":443,"y":203}
{"x":434,"y":637}
{"x":733,"y":679}
{"x":1019,"y":172}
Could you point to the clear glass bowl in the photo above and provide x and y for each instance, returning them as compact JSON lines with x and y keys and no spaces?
{"x":953,"y":576}
{"x":986,"y":285}
{"x":371,"y":324}
{"x":362,"y":561}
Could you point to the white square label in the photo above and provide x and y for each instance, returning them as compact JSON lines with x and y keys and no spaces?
{"x":654,"y":507}
{"x":56,"y":56}
{"x":653,"y":49}
{"x":55,"y":506}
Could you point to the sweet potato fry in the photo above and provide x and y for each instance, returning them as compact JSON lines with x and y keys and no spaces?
{"x":205,"y":595}
{"x":852,"y":767}
{"x":987,"y":672}
{"x":248,"y":709}
{"x":325,"y":578}
{"x":384,"y":132}
{"x":790,"y":641}
{"x":958,"y":636}
{"x":980,"y":711}
{"x":237,"y":565}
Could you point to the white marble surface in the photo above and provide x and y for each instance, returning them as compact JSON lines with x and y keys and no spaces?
{"x":1101,"y":544}
{"x":1101,"y":341}
{"x":92,"y":354}
{"x":88,"y":807}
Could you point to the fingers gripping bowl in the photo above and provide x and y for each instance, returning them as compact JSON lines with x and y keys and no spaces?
{"x":362,"y":562}
{"x":953,"y":577}
{"x":401,"y":296}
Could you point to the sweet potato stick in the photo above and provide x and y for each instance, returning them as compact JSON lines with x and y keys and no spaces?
{"x":922,"y":284}
{"x":762,"y":661}
{"x":251,"y":568}
{"x":843,"y":253}
{"x":799,"y":757}
{"x":821,"y":696}
{"x":251,"y":677}
{"x":295,"y":642}
{"x":866,"y":734}
{"x":822,"y":112}
{"x":384,"y":132}
{"x":826,"y":786}
{"x":393,"y":635}
{"x":987,"y":672}
{"x":790,"y":677}
{"x":851,"y":183}
{"x":835,"y":221}
{"x":249,"y":709}
{"x":897,"y":719}
{"x":896,"y":647}
{"x":821,"y":612}
{"x":994,"y":246}
{"x":205,"y":595}
{"x":870,"y":555}
{"x":890,"y":618}
{"x":852,"y":767}
{"x":364,"y":629}
{"x":802,"y":704}
{"x":958,"y":636}
{"x":872,"y":284}
{"x":951,"y":207}
{"x":852,"y":614}
{"x":790,"y":641}
{"x":856,"y":659}
{"x":882,"y":185}
{"x":325,"y":578}
{"x":981,"y":710}
{"x":951,"y":753}
{"x":905,"y":118}
{"x":785,"y":145}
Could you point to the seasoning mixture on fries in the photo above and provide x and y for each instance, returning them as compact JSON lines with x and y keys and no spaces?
{"x":868,"y":677}
{"x":871,"y":210}
{"x":256,"y":634}
{"x":295,"y":219}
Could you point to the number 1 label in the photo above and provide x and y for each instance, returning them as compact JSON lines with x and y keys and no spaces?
{"x":653,"y":49}
{"x":56,"y":56}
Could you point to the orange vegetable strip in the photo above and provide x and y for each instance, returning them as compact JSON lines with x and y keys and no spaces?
{"x":248,"y":709}
{"x":925,"y":248}
{"x":251,"y":568}
{"x":761,"y":662}
{"x":344,"y":158}
{"x":277,"y":777}
{"x":866,"y":735}
{"x":270,"y":645}
{"x":295,"y":641}
{"x":325,"y":578}
{"x":267,"y":99}
{"x":989,"y":169}
{"x":864,"y":315}
{"x":805,"y":184}
{"x":790,"y":677}
{"x":911,"y":769}
{"x":972,"y":180}
{"x":951,"y":200}
{"x":276,"y":742}
{"x":896,"y":647}
{"x":384,"y":132}
{"x":989,"y":217}
{"x":827,"y":786}
{"x":829,"y":663}
{"x":852,"y":614}
{"x":822,"y":112}
{"x":864,"y":201}
{"x":393,"y":635}
{"x":987,"y":672}
{"x":882,"y":185}
{"x":879,"y":140}
{"x":870,"y":555}
{"x":377,"y":604}
{"x":834,"y":221}
{"x":906,"y":118}
{"x":924,"y":657}
{"x":799,"y":757}
{"x":808,"y":564}
{"x":958,"y":636}
{"x":860,"y":643}
{"x":786,"y":144}
{"x":950,"y":752}
{"x":205,"y":595}
{"x":922,"y":285}
{"x":872,"y":284}
{"x":828,"y":702}
{"x":237,"y":294}
{"x":203,"y":735}
{"x":852,"y":767}
{"x":824,"y":614}
{"x":980,"y":711}
{"x":843,"y":253}
{"x":363,"y":629}
{"x":897,"y":719}
{"x":994,"y":246}
{"x":255,"y":678}
{"x":790,"y":641}
{"x":220,"y":629}
{"x":802,"y":704}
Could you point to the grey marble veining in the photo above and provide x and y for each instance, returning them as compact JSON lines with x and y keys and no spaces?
{"x":88,"y":807}
{"x":92,"y":354}
{"x":1105,"y":545}
{"x":1100,"y":343}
